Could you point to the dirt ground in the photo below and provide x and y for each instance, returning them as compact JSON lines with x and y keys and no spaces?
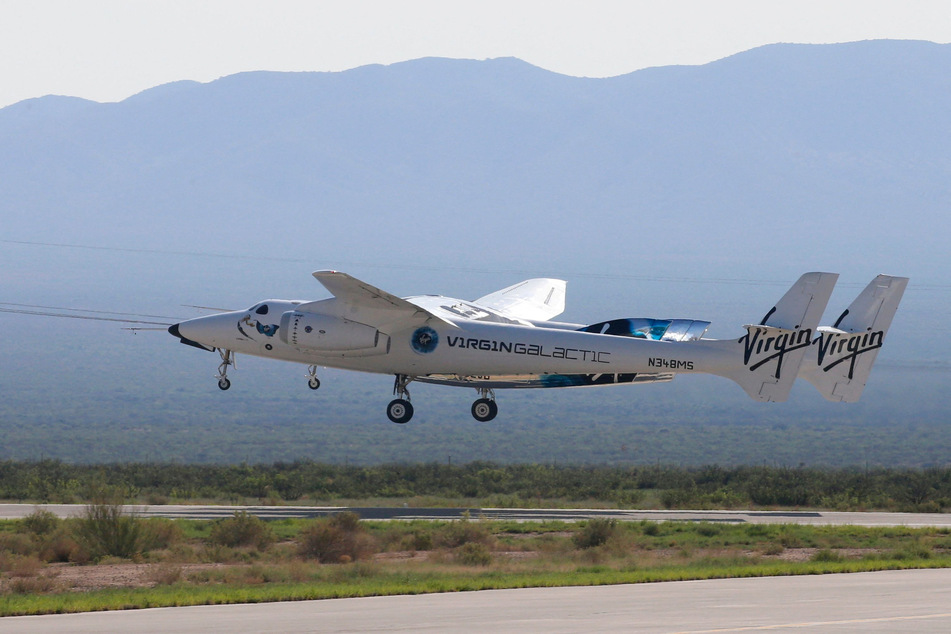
{"x":124,"y":575}
{"x":130,"y":575}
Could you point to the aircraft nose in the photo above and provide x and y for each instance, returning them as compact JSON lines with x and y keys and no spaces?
{"x":175,"y":331}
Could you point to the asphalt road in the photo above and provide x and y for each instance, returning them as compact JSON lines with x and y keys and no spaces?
{"x":889,"y":601}
{"x":13,"y":511}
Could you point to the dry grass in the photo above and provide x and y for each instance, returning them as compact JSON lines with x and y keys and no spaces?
{"x":164,"y":574}
{"x":374,"y":554}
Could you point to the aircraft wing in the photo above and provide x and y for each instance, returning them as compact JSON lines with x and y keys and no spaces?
{"x":350,"y":290}
{"x":537,"y":299}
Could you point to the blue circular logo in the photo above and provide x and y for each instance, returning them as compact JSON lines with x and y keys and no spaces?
{"x":424,"y":340}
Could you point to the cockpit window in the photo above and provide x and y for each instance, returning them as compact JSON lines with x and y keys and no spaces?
{"x":262,"y":309}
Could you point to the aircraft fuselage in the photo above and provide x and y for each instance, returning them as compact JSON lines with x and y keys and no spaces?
{"x":469,"y":348}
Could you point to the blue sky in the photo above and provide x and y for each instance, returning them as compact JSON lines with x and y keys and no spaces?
{"x":107,"y":50}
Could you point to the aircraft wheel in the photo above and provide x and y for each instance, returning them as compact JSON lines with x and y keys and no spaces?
{"x":223,"y":383}
{"x":399,"y":411}
{"x":313,"y":383}
{"x":484,"y":410}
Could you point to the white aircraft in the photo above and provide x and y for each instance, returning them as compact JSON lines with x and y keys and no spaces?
{"x":507,"y":340}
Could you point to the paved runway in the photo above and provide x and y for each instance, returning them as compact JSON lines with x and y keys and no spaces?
{"x":11,"y":511}
{"x":889,"y":601}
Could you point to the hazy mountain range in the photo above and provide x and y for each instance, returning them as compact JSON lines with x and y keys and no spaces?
{"x":697,"y":192}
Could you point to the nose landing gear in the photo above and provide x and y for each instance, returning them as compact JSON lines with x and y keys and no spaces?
{"x":227,"y":358}
{"x":400,"y":410}
{"x":312,"y":381}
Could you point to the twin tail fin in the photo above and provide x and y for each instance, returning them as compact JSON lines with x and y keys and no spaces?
{"x":788,"y":343}
{"x":841,"y":357}
{"x":773,"y":350}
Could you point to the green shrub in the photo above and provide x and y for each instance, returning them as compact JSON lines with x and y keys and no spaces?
{"x":24,"y":566}
{"x":422,"y":540}
{"x":59,"y":546}
{"x":707,"y":529}
{"x":39,"y":584}
{"x":162,"y":533}
{"x":104,"y":530}
{"x":41,"y":522}
{"x":595,"y":532}
{"x":912,"y":550}
{"x":405,"y":538}
{"x":789,"y":538}
{"x":16,"y":543}
{"x":760,"y":530}
{"x":826,"y":555}
{"x":473,"y":554}
{"x":337,"y":539}
{"x":165,"y":574}
{"x":242,"y":530}
{"x":463,"y":531}
{"x":681,"y":497}
{"x":218,"y":554}
{"x":627,"y":498}
{"x":51,"y":536}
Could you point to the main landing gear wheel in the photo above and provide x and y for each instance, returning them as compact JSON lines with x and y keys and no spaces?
{"x":484,"y":410}
{"x":314,"y":383}
{"x":223,"y":383}
{"x":399,"y":411}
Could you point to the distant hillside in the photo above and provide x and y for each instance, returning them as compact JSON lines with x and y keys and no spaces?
{"x":695,"y":192}
{"x":805,"y":148}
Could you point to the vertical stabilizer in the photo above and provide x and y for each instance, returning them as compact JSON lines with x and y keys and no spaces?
{"x":841,"y":357}
{"x":773,"y":350}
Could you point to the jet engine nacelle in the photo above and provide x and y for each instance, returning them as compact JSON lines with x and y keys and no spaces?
{"x":315,"y":331}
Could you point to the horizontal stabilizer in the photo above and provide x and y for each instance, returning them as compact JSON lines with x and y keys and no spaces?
{"x":840,"y":360}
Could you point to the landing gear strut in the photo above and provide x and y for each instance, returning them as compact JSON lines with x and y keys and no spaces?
{"x":312,"y":381}
{"x":400,"y":410}
{"x":227,"y":358}
{"x":485,"y":409}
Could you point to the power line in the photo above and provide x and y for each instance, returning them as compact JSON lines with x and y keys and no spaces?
{"x":85,"y":310}
{"x":461,"y":269}
{"x":88,"y":317}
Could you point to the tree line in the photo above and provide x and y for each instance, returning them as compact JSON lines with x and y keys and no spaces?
{"x":485,"y":484}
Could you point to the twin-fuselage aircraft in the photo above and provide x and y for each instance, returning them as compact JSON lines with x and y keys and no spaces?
{"x":507,"y":339}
